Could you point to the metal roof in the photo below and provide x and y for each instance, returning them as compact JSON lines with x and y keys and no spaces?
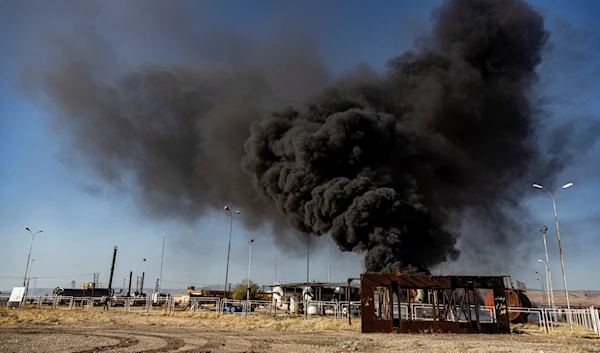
{"x":354,"y":284}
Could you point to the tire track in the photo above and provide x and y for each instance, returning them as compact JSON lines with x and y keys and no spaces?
{"x":173,"y":343}
{"x":123,"y":342}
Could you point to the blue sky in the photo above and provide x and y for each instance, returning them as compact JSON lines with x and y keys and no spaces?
{"x":41,"y":189}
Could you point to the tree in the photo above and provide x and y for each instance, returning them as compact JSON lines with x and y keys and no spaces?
{"x":239,"y":291}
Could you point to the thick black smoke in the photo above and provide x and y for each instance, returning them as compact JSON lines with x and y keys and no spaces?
{"x":387,"y":163}
{"x":384,"y":165}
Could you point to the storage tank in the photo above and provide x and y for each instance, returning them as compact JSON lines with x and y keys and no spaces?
{"x":312,"y":308}
{"x":294,"y":305}
{"x":308,"y":293}
{"x":279,"y":298}
{"x":514,"y":298}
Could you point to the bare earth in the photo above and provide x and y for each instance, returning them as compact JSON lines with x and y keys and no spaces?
{"x":118,"y":332}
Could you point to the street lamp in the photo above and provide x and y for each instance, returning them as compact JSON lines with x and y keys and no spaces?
{"x":562,"y":263}
{"x":548,"y":283}
{"x":226,"y":208}
{"x":29,"y":256}
{"x":249,"y":272}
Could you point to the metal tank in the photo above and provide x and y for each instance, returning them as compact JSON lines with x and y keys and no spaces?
{"x":514,"y":298}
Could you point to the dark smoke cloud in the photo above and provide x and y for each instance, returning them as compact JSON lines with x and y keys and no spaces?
{"x":385,"y":166}
{"x":173,"y":132}
{"x":389,"y":164}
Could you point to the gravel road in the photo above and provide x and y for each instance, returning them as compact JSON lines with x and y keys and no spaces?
{"x":115,"y":337}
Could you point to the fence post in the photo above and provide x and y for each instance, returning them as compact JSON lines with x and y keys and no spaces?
{"x":595,"y":318}
{"x":546,"y":320}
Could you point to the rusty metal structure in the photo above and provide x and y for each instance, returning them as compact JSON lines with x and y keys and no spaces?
{"x":405,"y":303}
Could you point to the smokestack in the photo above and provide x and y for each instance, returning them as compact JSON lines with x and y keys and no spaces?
{"x":130,"y":278}
{"x":112,"y":269}
{"x":142,"y":283}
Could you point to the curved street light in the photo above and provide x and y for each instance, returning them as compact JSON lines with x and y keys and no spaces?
{"x":29,"y":256}
{"x":226,"y":208}
{"x":562,"y":263}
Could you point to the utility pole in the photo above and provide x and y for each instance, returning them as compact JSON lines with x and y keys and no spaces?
{"x":162,"y":256}
{"x":226,"y":208}
{"x":562,"y":262}
{"x":249,"y":274}
{"x":548,"y":275}
{"x":328,"y":259}
{"x":307,"y":255}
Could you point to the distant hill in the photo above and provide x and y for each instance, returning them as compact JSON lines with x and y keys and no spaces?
{"x":578,"y":298}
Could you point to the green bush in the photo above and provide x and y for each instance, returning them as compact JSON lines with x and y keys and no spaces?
{"x":239,"y":291}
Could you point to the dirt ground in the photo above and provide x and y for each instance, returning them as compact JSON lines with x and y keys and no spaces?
{"x":119,"y":332}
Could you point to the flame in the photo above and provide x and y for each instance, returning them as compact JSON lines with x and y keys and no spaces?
{"x":412,"y":293}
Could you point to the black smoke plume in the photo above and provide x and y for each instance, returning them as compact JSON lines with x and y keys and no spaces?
{"x":387,"y":163}
{"x":384,"y":165}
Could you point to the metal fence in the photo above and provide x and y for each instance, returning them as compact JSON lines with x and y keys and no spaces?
{"x":548,"y":319}
{"x":585,"y":321}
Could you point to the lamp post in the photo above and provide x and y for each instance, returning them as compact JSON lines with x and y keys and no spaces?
{"x":29,"y":277}
{"x":249,"y":273}
{"x":562,"y":263}
{"x":29,"y":256}
{"x":226,"y":208}
{"x":548,"y":284}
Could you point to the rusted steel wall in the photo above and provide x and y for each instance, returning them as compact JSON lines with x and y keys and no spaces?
{"x":392,"y":287}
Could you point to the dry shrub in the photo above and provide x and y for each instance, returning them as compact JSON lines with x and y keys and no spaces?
{"x":189,"y":319}
{"x":560,"y":329}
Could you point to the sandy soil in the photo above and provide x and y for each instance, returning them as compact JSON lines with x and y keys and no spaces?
{"x":73,"y":333}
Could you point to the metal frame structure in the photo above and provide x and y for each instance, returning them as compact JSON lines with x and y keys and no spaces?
{"x":382,"y":295}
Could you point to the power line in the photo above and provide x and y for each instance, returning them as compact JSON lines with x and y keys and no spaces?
{"x":66,"y":276}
